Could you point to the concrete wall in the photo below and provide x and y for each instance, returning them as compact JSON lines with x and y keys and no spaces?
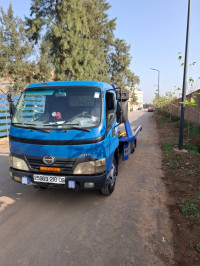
{"x":192,"y":113}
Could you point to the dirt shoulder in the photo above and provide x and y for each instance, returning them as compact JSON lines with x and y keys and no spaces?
{"x":4,"y":145}
{"x":182,"y":181}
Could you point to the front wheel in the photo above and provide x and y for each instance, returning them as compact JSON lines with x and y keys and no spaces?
{"x":111,"y":179}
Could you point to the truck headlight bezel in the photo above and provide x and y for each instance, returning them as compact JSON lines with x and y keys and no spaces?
{"x":18,"y":163}
{"x":90,"y":167}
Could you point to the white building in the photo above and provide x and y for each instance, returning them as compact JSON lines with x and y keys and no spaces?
{"x":140,"y":97}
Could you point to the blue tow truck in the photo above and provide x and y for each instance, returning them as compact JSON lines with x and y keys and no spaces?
{"x":65,"y":134}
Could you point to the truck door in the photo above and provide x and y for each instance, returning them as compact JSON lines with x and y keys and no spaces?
{"x":111,"y":131}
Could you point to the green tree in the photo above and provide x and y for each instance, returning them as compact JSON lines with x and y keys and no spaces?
{"x":81,"y":38}
{"x":44,"y":62}
{"x":15,"y":51}
{"x":101,"y":35}
{"x":119,"y":65}
{"x":189,"y":102}
{"x":76,"y":31}
{"x":134,"y":98}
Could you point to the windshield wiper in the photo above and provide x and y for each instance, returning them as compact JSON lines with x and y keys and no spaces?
{"x":40,"y":129}
{"x":34,"y":128}
{"x":80,"y":128}
{"x":56,"y":124}
{"x":66,"y":124}
{"x":24,"y":124}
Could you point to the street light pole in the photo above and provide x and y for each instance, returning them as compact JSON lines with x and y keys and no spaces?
{"x":180,"y":144}
{"x":158,"y":81}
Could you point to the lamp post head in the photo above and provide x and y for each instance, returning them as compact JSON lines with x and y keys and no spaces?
{"x":155,"y":69}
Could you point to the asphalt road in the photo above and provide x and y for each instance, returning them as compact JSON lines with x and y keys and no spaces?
{"x":57,"y":227}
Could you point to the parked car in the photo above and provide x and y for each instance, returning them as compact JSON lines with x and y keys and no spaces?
{"x":150,"y":109}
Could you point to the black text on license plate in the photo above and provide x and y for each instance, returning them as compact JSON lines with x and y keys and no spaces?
{"x":49,"y":179}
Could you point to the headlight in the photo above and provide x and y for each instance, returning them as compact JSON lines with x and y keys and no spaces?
{"x":17,"y":163}
{"x":90,"y":167}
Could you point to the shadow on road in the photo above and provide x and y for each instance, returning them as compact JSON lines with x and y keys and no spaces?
{"x":12,"y":193}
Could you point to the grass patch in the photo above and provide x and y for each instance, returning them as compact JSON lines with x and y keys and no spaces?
{"x":174,"y":243}
{"x":162,"y":122}
{"x":175,"y":119}
{"x":189,"y":209}
{"x":194,"y":131}
{"x":190,"y":147}
{"x":181,"y":178}
{"x":198,"y":247}
{"x":168,"y":148}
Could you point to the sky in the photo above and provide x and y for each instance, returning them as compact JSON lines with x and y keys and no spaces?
{"x":156,"y":32}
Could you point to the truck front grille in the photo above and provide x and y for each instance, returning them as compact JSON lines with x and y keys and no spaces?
{"x":66,"y":165}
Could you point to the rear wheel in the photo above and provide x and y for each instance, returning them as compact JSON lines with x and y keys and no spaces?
{"x":111,"y":179}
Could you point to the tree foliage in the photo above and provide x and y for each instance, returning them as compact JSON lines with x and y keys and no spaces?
{"x":75,"y":39}
{"x":44,"y":62}
{"x":16,"y":52}
{"x":81,"y":38}
{"x":78,"y":33}
{"x":134,"y":98}
{"x":119,"y":61}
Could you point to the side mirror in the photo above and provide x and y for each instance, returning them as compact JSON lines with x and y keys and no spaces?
{"x":10,"y":98}
{"x":122,"y":105}
{"x":122,"y":112}
{"x":12,"y":107}
{"x":118,"y":113}
{"x":122,"y":95}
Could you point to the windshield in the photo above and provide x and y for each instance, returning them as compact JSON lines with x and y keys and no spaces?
{"x":59,"y":107}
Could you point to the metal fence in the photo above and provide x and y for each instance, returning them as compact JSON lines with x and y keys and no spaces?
{"x":5,"y":115}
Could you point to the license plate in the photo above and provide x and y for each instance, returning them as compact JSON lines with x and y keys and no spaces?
{"x":49,"y":179}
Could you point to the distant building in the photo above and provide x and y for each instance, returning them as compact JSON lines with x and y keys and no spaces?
{"x":140,"y":97}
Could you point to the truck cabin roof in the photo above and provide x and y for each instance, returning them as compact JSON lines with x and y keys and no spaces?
{"x":102,"y":85}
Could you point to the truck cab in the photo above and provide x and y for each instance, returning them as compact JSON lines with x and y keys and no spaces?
{"x":66,"y":135}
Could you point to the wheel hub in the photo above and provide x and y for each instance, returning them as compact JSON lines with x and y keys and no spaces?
{"x":112,"y":176}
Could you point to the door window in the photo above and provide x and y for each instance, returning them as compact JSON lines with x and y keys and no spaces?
{"x":110,"y":109}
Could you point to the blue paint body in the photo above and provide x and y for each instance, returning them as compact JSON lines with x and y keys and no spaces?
{"x":102,"y":149}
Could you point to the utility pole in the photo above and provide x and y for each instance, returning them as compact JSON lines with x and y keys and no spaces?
{"x":180,"y":144}
{"x":158,"y":81}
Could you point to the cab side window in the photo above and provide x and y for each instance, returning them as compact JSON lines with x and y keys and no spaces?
{"x":110,"y":109}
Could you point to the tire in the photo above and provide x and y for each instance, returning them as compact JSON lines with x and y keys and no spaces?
{"x":111,"y":180}
{"x":133,"y":146}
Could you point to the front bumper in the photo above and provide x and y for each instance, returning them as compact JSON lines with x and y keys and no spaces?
{"x":98,"y":180}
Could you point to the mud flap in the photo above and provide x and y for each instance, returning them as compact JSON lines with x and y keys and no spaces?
{"x":126,"y":150}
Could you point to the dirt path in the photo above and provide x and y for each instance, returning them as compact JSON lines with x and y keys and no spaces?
{"x":153,"y":223}
{"x":55,"y":227}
